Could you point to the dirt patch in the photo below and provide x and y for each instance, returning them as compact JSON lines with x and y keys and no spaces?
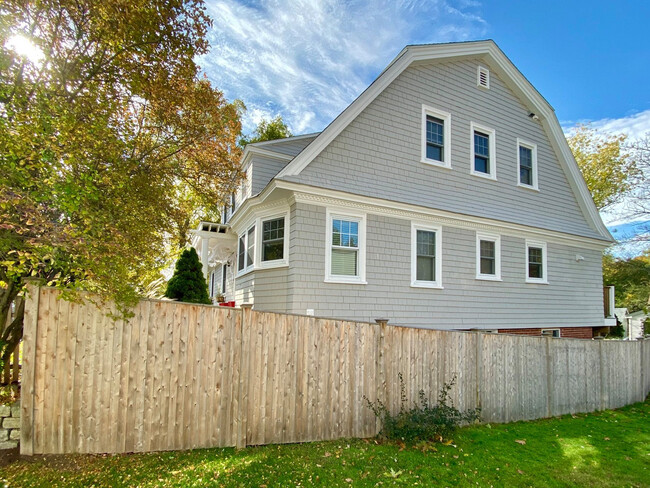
{"x":8,"y":456}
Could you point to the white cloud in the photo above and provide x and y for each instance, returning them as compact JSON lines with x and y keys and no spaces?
{"x":635,"y":126}
{"x":308,"y":59}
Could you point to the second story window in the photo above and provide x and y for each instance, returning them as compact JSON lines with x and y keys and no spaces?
{"x":436,"y":137}
{"x":483,"y":152}
{"x":527,"y":158}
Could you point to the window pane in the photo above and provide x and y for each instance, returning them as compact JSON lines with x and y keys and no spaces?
{"x":488,"y":257}
{"x":344,"y":262}
{"x":435,"y":130}
{"x":273,"y":250}
{"x":434,"y":152}
{"x":240,"y":260}
{"x":345,"y":233}
{"x":273,"y":239}
{"x":526,"y":165}
{"x":481,"y":164}
{"x":426,"y":254}
{"x":481,"y":144}
{"x":426,"y":268}
{"x":535,"y":266}
{"x":251,"y":247}
{"x":435,"y":138}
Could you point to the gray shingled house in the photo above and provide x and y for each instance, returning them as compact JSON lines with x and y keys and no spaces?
{"x":445,"y":197}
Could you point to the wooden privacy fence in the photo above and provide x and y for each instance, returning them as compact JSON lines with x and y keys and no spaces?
{"x":181,"y":376}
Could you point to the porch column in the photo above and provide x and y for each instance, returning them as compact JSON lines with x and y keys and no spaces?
{"x":204,"y":256}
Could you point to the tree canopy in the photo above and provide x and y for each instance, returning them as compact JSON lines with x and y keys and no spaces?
{"x":267,"y":130}
{"x":631,"y":278}
{"x":606,"y":165}
{"x":106,"y":130}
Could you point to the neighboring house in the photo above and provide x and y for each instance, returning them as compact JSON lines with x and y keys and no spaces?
{"x":444,"y":197}
{"x":633,"y":323}
{"x":637,"y":324}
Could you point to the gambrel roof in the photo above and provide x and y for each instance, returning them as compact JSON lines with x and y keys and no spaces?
{"x":489,"y":53}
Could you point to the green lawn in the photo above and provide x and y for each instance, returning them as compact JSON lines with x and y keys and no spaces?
{"x":609,"y":448}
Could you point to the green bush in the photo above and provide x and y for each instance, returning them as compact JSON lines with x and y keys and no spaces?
{"x":188,"y":283}
{"x":422,"y":422}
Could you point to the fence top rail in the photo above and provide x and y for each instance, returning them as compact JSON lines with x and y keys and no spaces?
{"x":338,"y":319}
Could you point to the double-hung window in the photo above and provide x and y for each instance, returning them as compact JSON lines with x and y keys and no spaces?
{"x":536,"y":268}
{"x":483,"y":149}
{"x":246,"y":250}
{"x":425,"y":256}
{"x":436,"y":137}
{"x":345,"y":258}
{"x":488,"y":257}
{"x":527,"y":162}
{"x":273,"y":239}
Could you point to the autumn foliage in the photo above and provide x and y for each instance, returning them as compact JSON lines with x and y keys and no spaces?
{"x":104,"y":139}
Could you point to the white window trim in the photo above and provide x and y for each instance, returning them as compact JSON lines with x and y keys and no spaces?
{"x":559,"y":333}
{"x":492,"y":175}
{"x":345,"y":214}
{"x":446,"y":118}
{"x":276,"y":263}
{"x":415,"y":283}
{"x":497,"y":256}
{"x":544,"y":279}
{"x":250,"y":268}
{"x":478,"y":77}
{"x":533,"y":148}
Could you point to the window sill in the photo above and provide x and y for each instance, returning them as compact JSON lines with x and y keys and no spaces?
{"x":433,"y":286}
{"x":488,"y":278}
{"x":438,"y":164}
{"x":244,"y":272}
{"x":344,"y":281}
{"x":528,"y":187}
{"x":273,"y":264}
{"x":533,"y":281}
{"x":485,"y":176}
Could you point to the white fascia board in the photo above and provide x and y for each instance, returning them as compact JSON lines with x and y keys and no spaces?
{"x":325,"y":197}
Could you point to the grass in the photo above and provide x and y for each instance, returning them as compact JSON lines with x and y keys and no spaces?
{"x":604,"y":449}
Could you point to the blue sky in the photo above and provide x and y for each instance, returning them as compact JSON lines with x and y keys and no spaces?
{"x":307,"y":60}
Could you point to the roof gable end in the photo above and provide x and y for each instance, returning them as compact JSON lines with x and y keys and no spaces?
{"x":497,"y":60}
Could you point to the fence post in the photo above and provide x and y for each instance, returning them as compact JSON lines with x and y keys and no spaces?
{"x":479,"y":367}
{"x":643,"y":366}
{"x":244,"y":361}
{"x":30,"y":327}
{"x":602,"y":376}
{"x":381,"y":368}
{"x":549,"y":381}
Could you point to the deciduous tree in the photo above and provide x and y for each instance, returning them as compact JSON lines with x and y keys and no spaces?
{"x":104,"y":128}
{"x":606,"y":165}
{"x":267,"y":130}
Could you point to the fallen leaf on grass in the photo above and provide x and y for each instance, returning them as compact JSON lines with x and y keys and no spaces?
{"x":520,"y":471}
{"x":606,"y":438}
{"x":520,"y":441}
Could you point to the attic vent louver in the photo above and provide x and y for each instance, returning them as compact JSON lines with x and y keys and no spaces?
{"x":483,"y":78}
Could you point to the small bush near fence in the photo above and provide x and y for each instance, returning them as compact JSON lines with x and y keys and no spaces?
{"x":422,"y":422}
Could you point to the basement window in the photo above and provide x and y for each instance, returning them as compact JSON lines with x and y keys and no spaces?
{"x":551,"y":332}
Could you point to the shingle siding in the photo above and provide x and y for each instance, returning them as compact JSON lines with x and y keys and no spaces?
{"x":573,"y":296}
{"x":378,"y":154}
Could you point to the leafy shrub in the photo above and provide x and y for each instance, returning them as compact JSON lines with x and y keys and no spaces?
{"x":188,"y":283}
{"x":422,"y":422}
